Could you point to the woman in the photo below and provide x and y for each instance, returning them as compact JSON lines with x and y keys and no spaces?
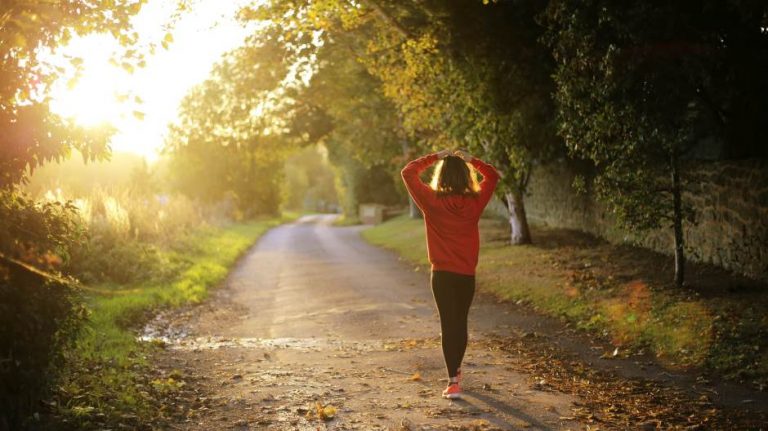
{"x":452,"y":208}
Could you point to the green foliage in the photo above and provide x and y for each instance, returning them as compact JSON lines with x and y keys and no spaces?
{"x":124,"y":233}
{"x":365,"y":138}
{"x":107,"y":237}
{"x":39,"y":318}
{"x":230,"y":141}
{"x":309,"y":181}
{"x":639,"y":86}
{"x":39,"y":312}
{"x":359,"y":184}
{"x":471,"y":76}
{"x":32,"y":135}
{"x":39,"y":309}
{"x":36,"y":231}
{"x":364,"y":124}
{"x":612,"y":110}
{"x":451,"y":75}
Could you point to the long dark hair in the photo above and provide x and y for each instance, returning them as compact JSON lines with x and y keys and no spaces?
{"x":454,"y":177}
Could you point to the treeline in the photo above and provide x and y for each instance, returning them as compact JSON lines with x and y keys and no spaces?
{"x":629,"y":90}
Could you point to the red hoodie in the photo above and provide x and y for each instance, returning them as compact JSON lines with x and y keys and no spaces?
{"x":453,"y":240}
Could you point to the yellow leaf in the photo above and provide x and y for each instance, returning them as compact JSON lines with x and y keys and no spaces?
{"x":328,"y":412}
{"x":325,"y":413}
{"x":416,"y":377}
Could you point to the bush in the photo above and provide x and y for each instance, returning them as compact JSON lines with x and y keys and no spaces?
{"x":39,"y":312}
{"x":106,"y":260}
{"x":38,"y":319}
{"x":125,"y":232}
{"x":116,"y":237}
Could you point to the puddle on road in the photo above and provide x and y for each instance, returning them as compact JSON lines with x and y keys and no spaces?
{"x":173,"y":336}
{"x":304,"y":344}
{"x":161,"y":331}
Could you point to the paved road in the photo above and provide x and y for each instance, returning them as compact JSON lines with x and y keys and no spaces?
{"x":312,"y":279}
{"x":313,"y":314}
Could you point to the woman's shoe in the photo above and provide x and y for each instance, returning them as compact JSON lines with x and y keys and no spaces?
{"x":453,"y":391}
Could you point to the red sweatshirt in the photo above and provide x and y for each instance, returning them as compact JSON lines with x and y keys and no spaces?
{"x":453,"y":240}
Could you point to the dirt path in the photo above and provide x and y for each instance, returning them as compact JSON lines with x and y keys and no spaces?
{"x":314,"y":317}
{"x":313,"y":314}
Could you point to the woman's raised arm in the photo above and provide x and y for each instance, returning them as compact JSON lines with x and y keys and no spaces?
{"x":490,"y":179}
{"x":420,"y":192}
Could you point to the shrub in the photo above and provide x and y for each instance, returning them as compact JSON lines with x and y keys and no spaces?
{"x":124,"y":233}
{"x":40,"y":312}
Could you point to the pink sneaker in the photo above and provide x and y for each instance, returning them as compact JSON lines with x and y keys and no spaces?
{"x":453,"y":391}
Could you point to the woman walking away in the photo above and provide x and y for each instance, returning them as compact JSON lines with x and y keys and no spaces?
{"x":452,"y":206}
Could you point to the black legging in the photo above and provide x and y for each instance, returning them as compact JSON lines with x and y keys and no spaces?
{"x":453,"y":295}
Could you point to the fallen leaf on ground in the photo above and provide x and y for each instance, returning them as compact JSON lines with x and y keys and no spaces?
{"x":325,"y":413}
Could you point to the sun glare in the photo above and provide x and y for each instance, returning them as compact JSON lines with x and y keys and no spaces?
{"x":91,"y":99}
{"x":141,"y":104}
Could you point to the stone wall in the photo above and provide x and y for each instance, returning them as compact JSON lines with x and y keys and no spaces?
{"x":730,"y":199}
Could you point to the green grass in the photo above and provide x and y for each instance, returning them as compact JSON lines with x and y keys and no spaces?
{"x":617,"y":291}
{"x":107,"y":370}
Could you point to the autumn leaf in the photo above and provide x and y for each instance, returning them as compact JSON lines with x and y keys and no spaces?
{"x":325,"y":413}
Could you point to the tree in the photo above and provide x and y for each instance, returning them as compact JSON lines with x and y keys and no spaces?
{"x":30,"y":134}
{"x":638,"y":87}
{"x":363,"y":138}
{"x":40,"y":309}
{"x":475,"y":76}
{"x":456,"y":75}
{"x":310,"y":181}
{"x":236,"y":128}
{"x":363,"y":134}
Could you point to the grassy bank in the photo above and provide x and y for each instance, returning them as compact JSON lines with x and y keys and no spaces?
{"x":719,"y":322}
{"x":107,"y":379}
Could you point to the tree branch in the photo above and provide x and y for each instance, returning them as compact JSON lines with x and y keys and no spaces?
{"x":373,"y":4}
{"x":34,"y":270}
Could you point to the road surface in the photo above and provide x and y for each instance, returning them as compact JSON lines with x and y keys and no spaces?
{"x":314,"y":316}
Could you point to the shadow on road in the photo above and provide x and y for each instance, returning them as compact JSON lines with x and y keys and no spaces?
{"x":499,"y":407}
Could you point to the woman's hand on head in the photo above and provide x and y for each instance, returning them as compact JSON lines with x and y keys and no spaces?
{"x":464,"y":155}
{"x":443,"y":154}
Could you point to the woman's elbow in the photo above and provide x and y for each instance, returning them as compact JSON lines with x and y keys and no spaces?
{"x":407,"y":172}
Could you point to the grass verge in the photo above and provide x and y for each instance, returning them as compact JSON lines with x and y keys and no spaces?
{"x":718,"y":322}
{"x":107,"y":380}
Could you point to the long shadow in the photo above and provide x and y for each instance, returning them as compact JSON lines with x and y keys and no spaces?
{"x":500,"y":406}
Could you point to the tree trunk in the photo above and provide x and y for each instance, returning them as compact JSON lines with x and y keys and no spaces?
{"x":518,"y":221}
{"x":677,"y":217}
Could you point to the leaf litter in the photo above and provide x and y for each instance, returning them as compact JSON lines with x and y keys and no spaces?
{"x":609,"y":401}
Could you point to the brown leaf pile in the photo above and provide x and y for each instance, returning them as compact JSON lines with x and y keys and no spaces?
{"x":613,"y":402}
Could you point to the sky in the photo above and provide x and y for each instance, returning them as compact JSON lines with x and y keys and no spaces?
{"x":201,"y":35}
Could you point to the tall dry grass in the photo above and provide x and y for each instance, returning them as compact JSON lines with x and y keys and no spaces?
{"x":125,"y":232}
